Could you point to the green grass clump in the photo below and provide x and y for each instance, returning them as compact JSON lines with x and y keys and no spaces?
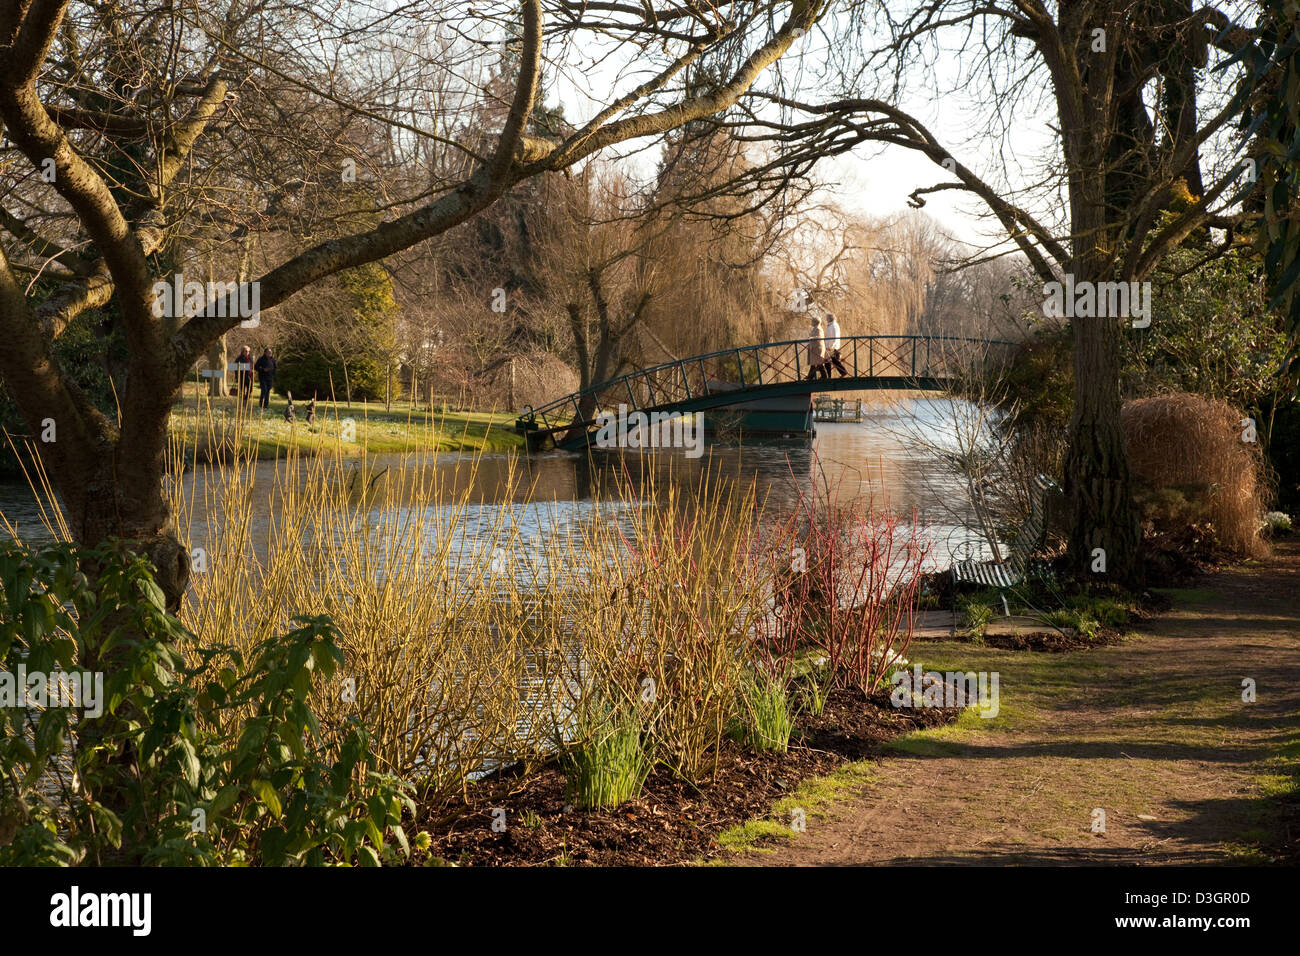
{"x":813,"y":798}
{"x":975,"y":616}
{"x":765,"y":720}
{"x":1080,"y":621}
{"x":1105,"y":611}
{"x":749,"y":837}
{"x":608,"y":766}
{"x":810,"y":696}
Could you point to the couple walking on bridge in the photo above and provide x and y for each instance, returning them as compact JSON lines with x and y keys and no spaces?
{"x":824,"y":348}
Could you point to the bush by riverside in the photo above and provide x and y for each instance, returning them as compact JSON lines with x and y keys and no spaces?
{"x":164,"y":775}
{"x":448,"y":647}
{"x":475,"y":644}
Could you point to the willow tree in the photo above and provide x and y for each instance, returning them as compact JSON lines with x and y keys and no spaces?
{"x":147,"y":139}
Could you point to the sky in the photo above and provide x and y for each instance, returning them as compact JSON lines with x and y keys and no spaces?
{"x":875,"y":180}
{"x":945,"y":95}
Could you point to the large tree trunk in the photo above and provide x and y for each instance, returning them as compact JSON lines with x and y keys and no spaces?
{"x":147,"y":521}
{"x":1096,"y":465}
{"x":120,"y":495}
{"x":1101,"y":513}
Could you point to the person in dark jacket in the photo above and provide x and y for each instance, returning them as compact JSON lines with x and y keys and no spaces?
{"x":265,"y":369}
{"x":244,"y":374}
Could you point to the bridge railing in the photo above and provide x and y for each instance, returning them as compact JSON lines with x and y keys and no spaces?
{"x":902,"y":358}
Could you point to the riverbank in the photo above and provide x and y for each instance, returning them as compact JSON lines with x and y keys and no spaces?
{"x":338,"y":429}
{"x":1153,"y":733}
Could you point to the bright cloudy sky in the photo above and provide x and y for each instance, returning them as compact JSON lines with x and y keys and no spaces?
{"x":877,"y":181}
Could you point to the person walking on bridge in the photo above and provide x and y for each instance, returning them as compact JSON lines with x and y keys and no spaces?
{"x":816,"y":352}
{"x":833,"y":347}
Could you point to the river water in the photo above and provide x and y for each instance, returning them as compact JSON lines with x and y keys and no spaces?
{"x":892,"y":460}
{"x":888,"y":460}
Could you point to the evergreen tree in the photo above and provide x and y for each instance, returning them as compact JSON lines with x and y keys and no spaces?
{"x":345,"y":356}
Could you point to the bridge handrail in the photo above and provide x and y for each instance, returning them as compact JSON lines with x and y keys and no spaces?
{"x":640,"y":373}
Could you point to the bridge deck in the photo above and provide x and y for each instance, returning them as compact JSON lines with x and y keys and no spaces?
{"x":770,"y":370}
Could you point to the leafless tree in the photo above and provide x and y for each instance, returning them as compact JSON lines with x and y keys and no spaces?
{"x":1144,"y":160}
{"x":137,"y":130}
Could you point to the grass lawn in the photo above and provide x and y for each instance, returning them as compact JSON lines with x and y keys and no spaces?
{"x":338,"y":429}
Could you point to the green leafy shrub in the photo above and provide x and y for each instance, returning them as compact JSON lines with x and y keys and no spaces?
{"x":1105,"y":611}
{"x":218,"y":764}
{"x":307,"y":372}
{"x":1040,"y":382}
{"x":1212,"y":334}
{"x":348,"y":355}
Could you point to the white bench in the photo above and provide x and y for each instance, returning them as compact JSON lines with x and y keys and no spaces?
{"x":1010,"y":572}
{"x":232,"y":367}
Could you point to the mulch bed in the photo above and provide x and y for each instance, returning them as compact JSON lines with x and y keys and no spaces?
{"x":672,"y":822}
{"x":1052,"y":641}
{"x":1180,"y":558}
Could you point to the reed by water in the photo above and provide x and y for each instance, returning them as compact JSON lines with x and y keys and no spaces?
{"x":615,"y":637}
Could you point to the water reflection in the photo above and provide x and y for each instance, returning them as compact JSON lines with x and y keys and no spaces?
{"x":552,"y":496}
{"x":548,"y":493}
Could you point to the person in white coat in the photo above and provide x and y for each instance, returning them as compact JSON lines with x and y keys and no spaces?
{"x":816,"y":352}
{"x":833,"y":347}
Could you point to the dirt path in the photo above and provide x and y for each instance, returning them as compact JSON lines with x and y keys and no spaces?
{"x":1154,"y":732}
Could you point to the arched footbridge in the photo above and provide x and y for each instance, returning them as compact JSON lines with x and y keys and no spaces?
{"x":756,"y":377}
